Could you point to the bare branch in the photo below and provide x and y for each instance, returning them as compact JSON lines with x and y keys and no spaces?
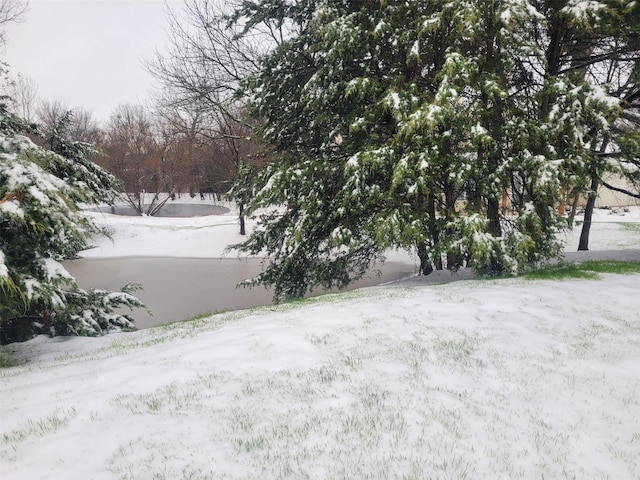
{"x":10,"y":11}
{"x":621,"y":190}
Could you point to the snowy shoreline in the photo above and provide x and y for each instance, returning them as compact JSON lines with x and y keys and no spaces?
{"x":209,"y":236}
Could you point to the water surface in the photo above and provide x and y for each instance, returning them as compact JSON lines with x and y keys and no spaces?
{"x":180,"y":288}
{"x":167,"y":210}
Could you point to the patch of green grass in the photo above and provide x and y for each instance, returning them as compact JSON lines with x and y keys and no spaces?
{"x":588,"y":270}
{"x":561,"y":272}
{"x":612,"y":266}
{"x":39,"y":428}
{"x":172,"y":398}
{"x":6,"y":362}
{"x":632,"y":227}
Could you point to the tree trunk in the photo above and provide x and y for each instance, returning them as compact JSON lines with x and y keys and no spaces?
{"x":556,"y":42}
{"x":574,"y":207}
{"x":241,"y":217}
{"x":435,"y":234}
{"x":588,"y":212}
{"x":425,"y":263}
{"x":493,"y":214}
{"x":453,"y":259}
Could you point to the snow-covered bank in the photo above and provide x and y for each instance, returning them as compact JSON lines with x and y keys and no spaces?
{"x":509,"y":379}
{"x":208,"y":237}
{"x":195,"y":237}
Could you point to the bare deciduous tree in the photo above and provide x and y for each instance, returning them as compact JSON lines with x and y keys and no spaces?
{"x":133,"y":156}
{"x":10,"y":11}
{"x":50,"y":114}
{"x":206,"y":59}
{"x":23,"y":92}
{"x":201,"y":72}
{"x":84,"y":128}
{"x":80,"y":126}
{"x":184,"y":149}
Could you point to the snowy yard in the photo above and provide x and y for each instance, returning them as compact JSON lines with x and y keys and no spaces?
{"x":470,"y":380}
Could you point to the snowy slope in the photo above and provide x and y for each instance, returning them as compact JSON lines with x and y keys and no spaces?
{"x":510,"y":379}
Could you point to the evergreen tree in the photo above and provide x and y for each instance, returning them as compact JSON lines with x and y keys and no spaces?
{"x":592,"y":56}
{"x":409,"y":125}
{"x":40,"y":225}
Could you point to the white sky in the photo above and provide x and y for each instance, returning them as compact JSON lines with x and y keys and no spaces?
{"x":89,"y":53}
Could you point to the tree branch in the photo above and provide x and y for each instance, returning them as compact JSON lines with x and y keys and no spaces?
{"x":620,"y":190}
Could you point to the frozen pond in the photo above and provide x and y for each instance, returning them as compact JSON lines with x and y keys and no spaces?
{"x":180,"y":288}
{"x":168,"y":210}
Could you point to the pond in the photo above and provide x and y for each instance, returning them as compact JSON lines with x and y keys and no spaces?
{"x":168,"y":210}
{"x":181,"y":288}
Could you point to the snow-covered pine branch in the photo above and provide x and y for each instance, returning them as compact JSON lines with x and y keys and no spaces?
{"x":41,"y":225}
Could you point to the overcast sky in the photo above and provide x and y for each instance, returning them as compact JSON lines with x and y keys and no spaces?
{"x":89,"y":53}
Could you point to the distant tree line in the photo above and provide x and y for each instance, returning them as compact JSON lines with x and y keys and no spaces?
{"x":165,"y":151}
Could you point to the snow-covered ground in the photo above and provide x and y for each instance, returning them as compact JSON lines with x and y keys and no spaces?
{"x":208,"y":237}
{"x":194,"y":237}
{"x":469,"y":380}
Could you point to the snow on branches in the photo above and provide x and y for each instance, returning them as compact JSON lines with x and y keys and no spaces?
{"x":40,"y":225}
{"x":460,"y":125}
